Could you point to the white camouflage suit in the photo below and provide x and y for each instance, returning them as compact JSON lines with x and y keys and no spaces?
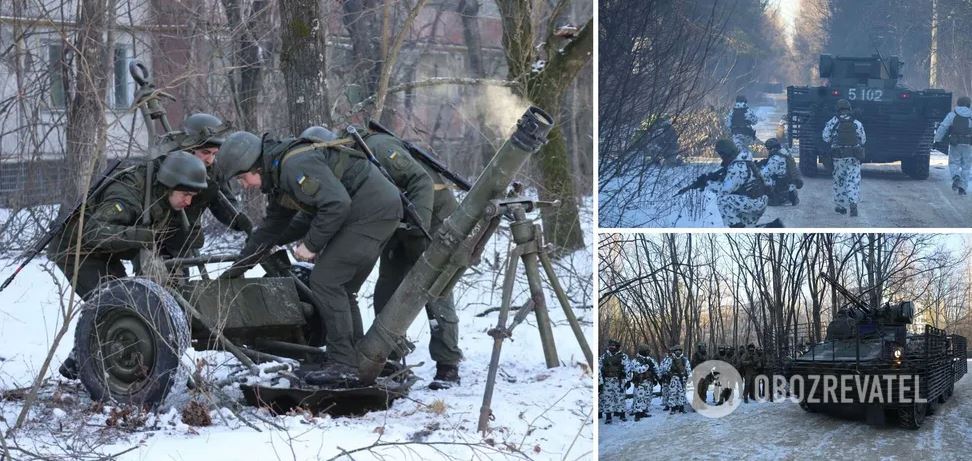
{"x":734,"y":207}
{"x":960,"y":155}
{"x":775,"y":169}
{"x":676,"y":387}
{"x":612,"y":396}
{"x":643,"y":391}
{"x":742,"y":140}
{"x":847,"y":171}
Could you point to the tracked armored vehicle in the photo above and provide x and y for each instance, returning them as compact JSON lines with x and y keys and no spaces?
{"x":899,"y":121}
{"x":868,"y":345}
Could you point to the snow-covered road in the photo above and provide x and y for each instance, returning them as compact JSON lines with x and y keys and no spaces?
{"x":784,"y":431}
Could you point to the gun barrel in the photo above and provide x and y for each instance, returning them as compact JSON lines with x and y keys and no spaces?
{"x":440,"y":265}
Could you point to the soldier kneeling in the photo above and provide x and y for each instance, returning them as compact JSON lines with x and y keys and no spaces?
{"x":781,"y":174}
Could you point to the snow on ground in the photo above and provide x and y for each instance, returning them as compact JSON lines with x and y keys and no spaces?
{"x":784,"y":431}
{"x":889,"y":198}
{"x":539,"y":413}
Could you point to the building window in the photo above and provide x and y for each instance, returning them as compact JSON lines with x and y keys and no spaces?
{"x":123,"y":87}
{"x":57,"y":71}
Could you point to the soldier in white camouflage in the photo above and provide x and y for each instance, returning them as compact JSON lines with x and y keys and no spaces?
{"x":846,"y":137}
{"x":740,"y":122}
{"x":954,"y":136}
{"x":678,"y":368}
{"x":614,"y":366}
{"x":643,"y":369}
{"x":781,"y":174}
{"x":742,"y":194}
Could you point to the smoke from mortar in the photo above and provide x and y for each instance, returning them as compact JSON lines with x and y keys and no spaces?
{"x":500,"y":109}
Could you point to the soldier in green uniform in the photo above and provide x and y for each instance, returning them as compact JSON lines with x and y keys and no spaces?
{"x":355,"y":211}
{"x":201,"y":136}
{"x":113,"y":229}
{"x":748,"y":366}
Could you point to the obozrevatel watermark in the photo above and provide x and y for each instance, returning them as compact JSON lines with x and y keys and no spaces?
{"x":725,"y":388}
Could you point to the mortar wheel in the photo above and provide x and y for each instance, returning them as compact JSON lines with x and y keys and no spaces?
{"x":128,"y":342}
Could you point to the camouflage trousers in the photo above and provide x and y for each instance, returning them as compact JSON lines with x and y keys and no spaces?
{"x":676,"y":392}
{"x":960,"y":163}
{"x":741,"y":210}
{"x":847,"y":181}
{"x":612,"y":397}
{"x":642,"y":397}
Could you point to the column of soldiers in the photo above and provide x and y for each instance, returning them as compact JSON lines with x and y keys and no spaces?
{"x":617,"y":371}
{"x":320,"y":189}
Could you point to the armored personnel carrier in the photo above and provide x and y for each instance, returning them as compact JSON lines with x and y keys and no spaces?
{"x":899,"y":121}
{"x":868,"y":345}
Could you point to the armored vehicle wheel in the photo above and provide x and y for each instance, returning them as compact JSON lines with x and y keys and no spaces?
{"x":912,"y":416}
{"x":128,"y":342}
{"x":948,"y":392}
{"x":916,"y":167}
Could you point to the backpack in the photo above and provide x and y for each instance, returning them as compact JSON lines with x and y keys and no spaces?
{"x":755,"y":186}
{"x":845,"y":142}
{"x":739,"y":123}
{"x":961,"y":130}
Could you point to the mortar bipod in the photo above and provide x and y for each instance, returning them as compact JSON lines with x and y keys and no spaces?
{"x":531,"y":250}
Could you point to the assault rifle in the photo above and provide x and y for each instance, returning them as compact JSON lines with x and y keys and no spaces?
{"x":56,"y":229}
{"x":703,"y":180}
{"x":423,"y":156}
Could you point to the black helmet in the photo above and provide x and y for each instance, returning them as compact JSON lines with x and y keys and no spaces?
{"x":239,"y":154}
{"x":741,"y":99}
{"x":700,"y":347}
{"x":772,"y":144}
{"x":726,"y":148}
{"x":182,"y":171}
{"x":751,"y":346}
{"x":843,"y":104}
{"x":677,"y":347}
{"x":613,"y":343}
{"x":964,"y":101}
{"x":318,"y":134}
{"x":202,"y":130}
{"x":644,"y":350}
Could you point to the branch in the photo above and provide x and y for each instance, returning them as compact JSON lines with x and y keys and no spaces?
{"x":388,"y":62}
{"x":435,"y":81}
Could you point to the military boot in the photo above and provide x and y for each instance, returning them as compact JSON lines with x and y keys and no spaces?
{"x":840,"y":209}
{"x":446,"y":376}
{"x":637,"y":416}
{"x":608,"y":419}
{"x":956,"y":184}
{"x":622,"y":416}
{"x":672,"y":410}
{"x":681,"y":408}
{"x":794,"y":198}
{"x":853,"y":209}
{"x":600,"y":415}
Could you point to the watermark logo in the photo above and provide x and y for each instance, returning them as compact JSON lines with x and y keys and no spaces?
{"x":726,"y":384}
{"x":718,"y":389}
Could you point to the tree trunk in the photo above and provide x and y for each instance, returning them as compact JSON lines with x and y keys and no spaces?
{"x":303,"y":63}
{"x":361,"y":19}
{"x":246,"y":57}
{"x":86,"y":130}
{"x":479,"y":137}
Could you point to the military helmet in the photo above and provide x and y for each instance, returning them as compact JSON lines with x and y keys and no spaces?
{"x":614,"y":342}
{"x":843,"y":104}
{"x":182,"y":171}
{"x":202,"y":130}
{"x":726,"y":148}
{"x":643,"y":350}
{"x":239,"y":154}
{"x":676,"y":347}
{"x":318,"y":133}
{"x":751,"y":346}
{"x":964,"y":101}
{"x":741,"y":99}
{"x":772,"y":144}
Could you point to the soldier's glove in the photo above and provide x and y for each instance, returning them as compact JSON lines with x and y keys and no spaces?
{"x":141,"y":236}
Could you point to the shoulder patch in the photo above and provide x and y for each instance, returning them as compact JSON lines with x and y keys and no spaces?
{"x":308,"y":185}
{"x":118,"y":207}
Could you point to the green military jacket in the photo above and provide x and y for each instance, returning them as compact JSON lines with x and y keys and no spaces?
{"x":318,"y":182}
{"x":112,"y":218}
{"x":407,"y":173}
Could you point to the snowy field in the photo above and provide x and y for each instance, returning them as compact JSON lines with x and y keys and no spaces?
{"x":776,"y":431}
{"x":540,"y":413}
{"x":888,"y":197}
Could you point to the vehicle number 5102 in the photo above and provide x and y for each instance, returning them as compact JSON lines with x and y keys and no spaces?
{"x":865,"y":94}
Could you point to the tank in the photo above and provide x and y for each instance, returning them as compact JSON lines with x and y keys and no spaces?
{"x":899,"y":121}
{"x":866,"y":343}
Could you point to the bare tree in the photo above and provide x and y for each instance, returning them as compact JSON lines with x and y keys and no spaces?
{"x":303,"y":62}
